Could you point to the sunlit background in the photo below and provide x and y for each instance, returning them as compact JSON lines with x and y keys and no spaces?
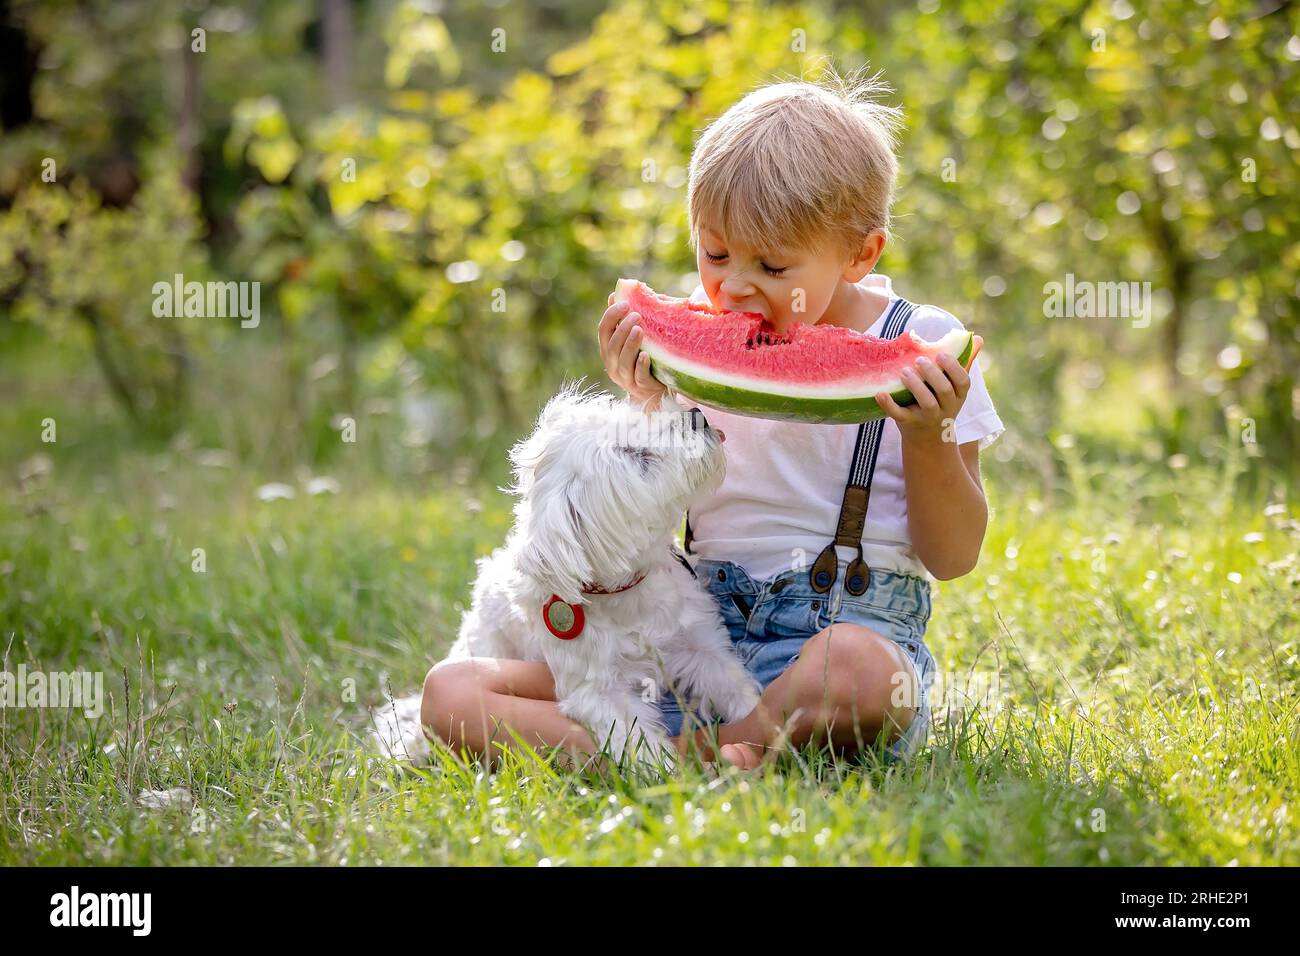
{"x":436,"y":200}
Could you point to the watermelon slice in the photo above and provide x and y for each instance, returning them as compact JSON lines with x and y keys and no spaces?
{"x":811,"y":373}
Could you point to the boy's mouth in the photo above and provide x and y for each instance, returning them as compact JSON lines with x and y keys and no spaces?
{"x":726,"y":307}
{"x":751,"y":311}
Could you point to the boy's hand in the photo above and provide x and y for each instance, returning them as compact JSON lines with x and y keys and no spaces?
{"x":935,"y":411}
{"x":625,"y":364}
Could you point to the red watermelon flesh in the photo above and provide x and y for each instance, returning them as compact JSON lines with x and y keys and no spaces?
{"x":737,"y":360}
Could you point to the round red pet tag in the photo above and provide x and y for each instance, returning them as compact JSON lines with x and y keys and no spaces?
{"x":563,"y":619}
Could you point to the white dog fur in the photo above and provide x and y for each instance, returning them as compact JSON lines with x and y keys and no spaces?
{"x":602,"y":488}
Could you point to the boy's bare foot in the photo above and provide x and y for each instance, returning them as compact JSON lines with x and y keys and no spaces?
{"x":744,"y":756}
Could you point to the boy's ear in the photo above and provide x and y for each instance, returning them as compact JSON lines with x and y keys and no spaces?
{"x":868,"y":255}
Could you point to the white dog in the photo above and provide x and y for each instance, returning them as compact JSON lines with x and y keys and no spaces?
{"x":588,"y":580}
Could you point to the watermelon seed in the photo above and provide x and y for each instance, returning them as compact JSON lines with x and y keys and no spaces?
{"x":766,"y":338}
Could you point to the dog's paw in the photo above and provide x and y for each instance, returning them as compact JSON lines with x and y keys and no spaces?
{"x":737,"y":704}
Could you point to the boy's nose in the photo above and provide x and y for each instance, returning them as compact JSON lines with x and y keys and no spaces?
{"x":737,"y":289}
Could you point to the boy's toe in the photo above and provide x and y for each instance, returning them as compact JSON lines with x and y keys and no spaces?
{"x":744,"y":756}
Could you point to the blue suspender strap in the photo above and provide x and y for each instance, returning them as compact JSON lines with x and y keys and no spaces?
{"x":868,"y":443}
{"x":857,"y":492}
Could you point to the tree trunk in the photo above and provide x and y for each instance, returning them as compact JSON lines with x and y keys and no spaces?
{"x":189,"y":132}
{"x":117,"y":382}
{"x":336,"y":39}
{"x":1178,"y":274}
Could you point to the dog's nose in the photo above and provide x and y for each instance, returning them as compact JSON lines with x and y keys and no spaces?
{"x":698,"y":421}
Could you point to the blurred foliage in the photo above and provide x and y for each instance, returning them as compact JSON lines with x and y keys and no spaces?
{"x":84,"y":273}
{"x":1092,"y":139}
{"x":440,"y":226}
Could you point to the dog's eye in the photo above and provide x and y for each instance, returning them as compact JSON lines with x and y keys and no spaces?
{"x":642,"y":456}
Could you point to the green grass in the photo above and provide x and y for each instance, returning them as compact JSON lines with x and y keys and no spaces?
{"x":1139,"y":625}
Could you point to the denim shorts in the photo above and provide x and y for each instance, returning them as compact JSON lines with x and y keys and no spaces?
{"x":770,"y":620}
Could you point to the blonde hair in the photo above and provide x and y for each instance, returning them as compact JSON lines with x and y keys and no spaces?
{"x":798,"y":163}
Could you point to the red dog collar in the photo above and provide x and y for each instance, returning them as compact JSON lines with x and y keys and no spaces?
{"x":597,"y":589}
{"x":566,"y":620}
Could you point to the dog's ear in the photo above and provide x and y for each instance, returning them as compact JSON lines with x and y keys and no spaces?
{"x":554,"y":551}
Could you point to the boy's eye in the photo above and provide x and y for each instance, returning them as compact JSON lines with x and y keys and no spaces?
{"x":721,"y":257}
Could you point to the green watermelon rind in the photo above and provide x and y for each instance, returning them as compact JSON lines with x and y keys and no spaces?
{"x":758,"y":404}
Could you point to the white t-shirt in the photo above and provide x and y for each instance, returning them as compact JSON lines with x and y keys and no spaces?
{"x":779,"y":504}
